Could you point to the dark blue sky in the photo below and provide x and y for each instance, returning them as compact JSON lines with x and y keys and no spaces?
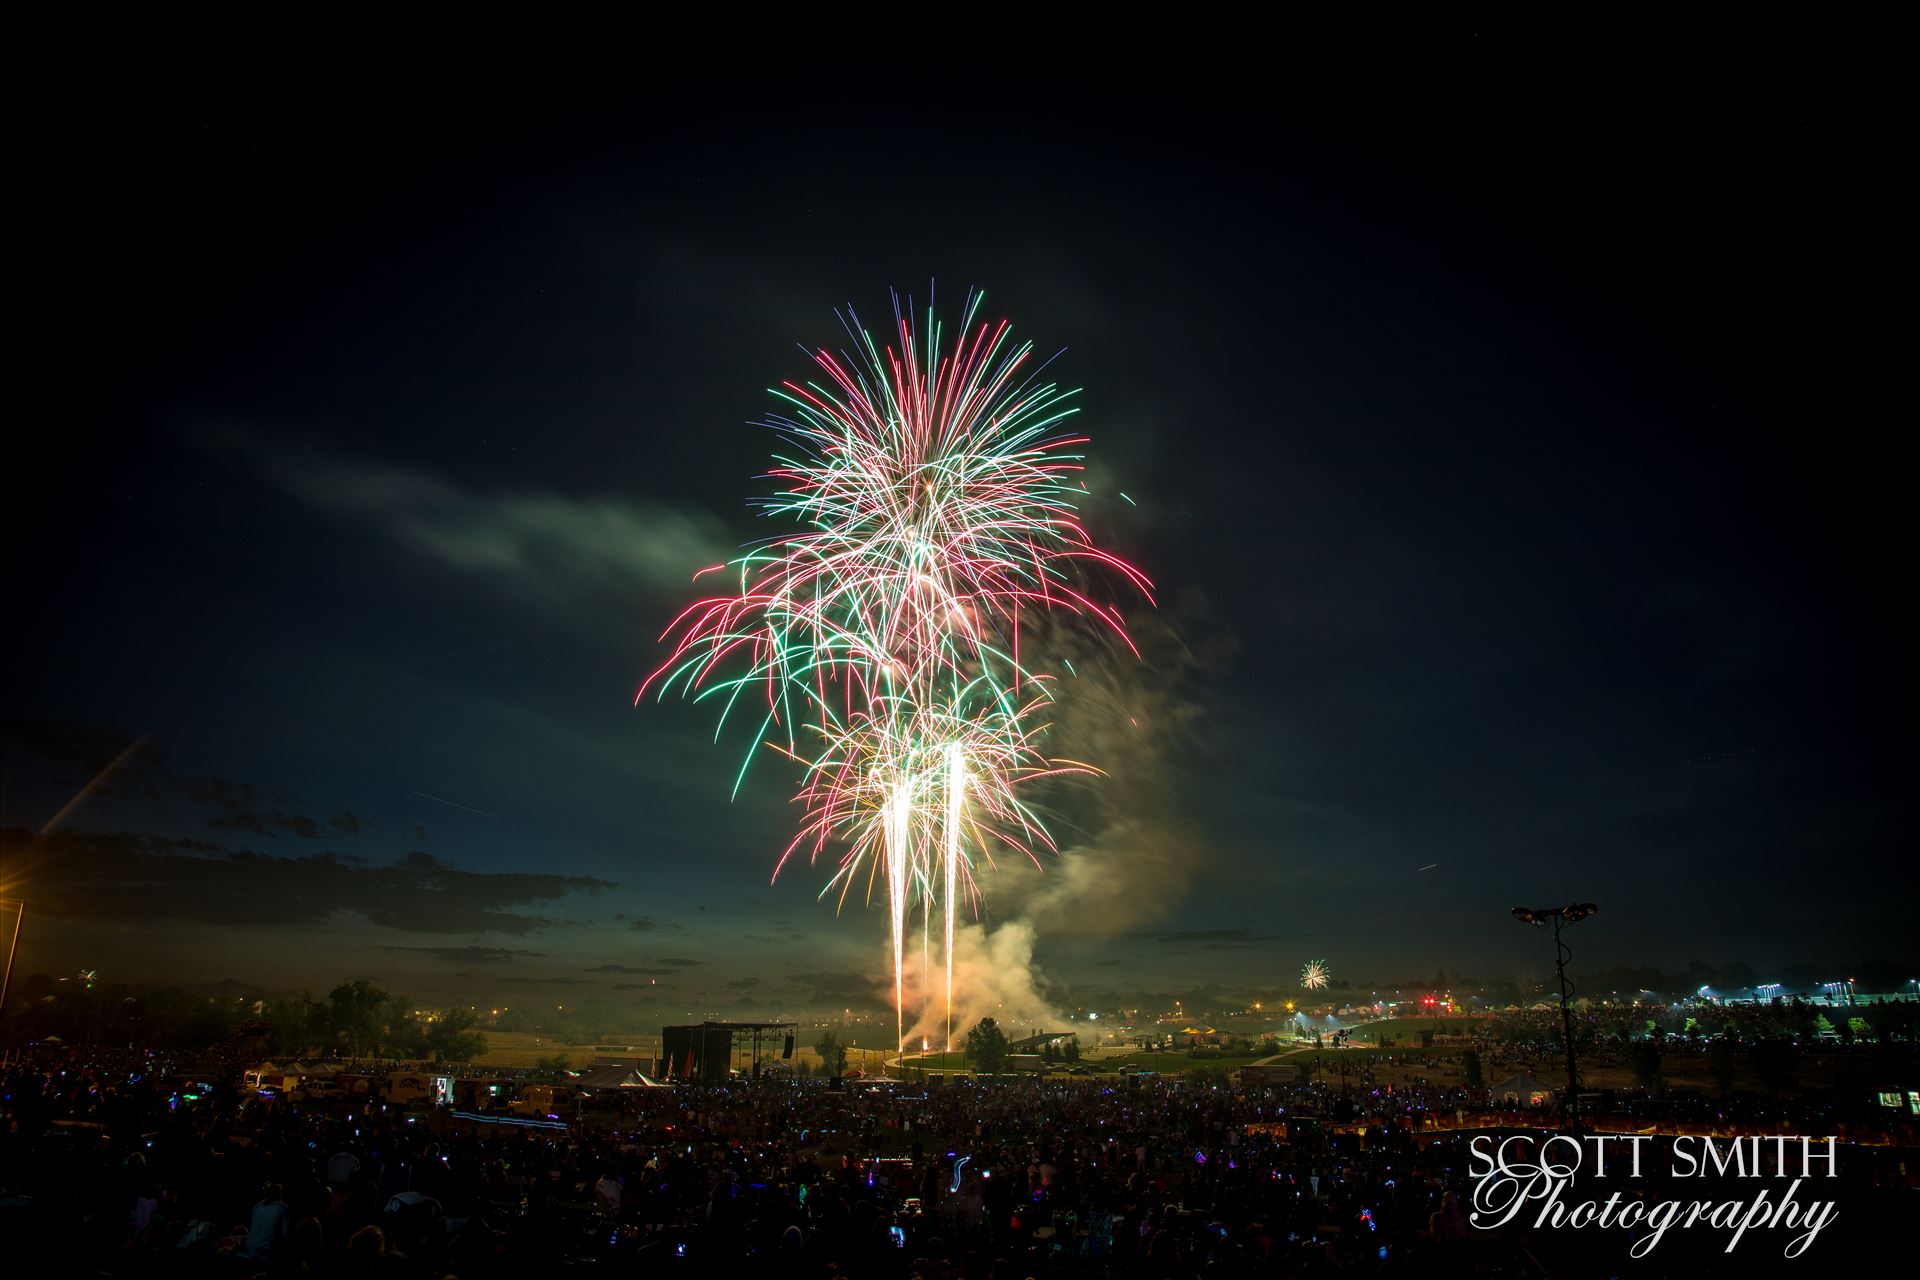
{"x":1504,"y":431}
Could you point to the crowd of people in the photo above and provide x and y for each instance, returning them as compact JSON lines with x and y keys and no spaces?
{"x":1690,"y":1027}
{"x":107,"y":1166}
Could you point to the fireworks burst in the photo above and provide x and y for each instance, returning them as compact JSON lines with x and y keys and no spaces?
{"x":1314,"y":975}
{"x":935,"y":492}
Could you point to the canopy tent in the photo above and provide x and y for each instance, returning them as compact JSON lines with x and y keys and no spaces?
{"x":616,"y":1078}
{"x":1525,"y":1088}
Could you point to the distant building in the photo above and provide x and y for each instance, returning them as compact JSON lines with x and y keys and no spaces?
{"x":1040,"y":1040}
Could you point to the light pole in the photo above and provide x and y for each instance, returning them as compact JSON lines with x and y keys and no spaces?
{"x":6,"y":983}
{"x":1560,"y":918}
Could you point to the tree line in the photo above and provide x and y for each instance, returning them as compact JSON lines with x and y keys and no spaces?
{"x":356,"y":1020}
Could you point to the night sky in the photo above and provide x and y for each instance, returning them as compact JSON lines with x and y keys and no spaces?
{"x":1502,"y":427}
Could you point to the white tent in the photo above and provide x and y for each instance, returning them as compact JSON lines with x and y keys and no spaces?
{"x":594,"y":1078}
{"x":1525,"y":1088}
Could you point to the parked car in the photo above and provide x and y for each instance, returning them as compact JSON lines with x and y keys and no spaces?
{"x":319,"y":1090}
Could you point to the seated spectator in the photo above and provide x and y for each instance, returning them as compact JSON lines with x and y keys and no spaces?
{"x":368,"y":1255}
{"x":342,"y":1168}
{"x":270,"y":1225}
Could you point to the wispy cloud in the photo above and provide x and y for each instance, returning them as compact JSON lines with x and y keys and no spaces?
{"x":34,"y":748}
{"x":537,"y":541}
{"x":836,"y":987}
{"x":94,"y":875}
{"x":1220,"y":939}
{"x":472,"y":955}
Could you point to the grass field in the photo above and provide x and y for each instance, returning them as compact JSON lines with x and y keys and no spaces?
{"x":1399,"y":1065}
{"x":1405,"y":1028}
{"x":1176,"y":1063}
{"x":522,"y":1049}
{"x":955,"y":1061}
{"x":1166,"y":1064}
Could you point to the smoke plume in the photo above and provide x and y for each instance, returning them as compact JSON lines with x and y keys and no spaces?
{"x":993,"y":977}
{"x":1129,"y":841}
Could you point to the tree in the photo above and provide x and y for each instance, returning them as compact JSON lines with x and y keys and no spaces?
{"x":1073,"y":1049}
{"x":1474,"y":1076}
{"x":453,"y":1039}
{"x":833,"y":1054}
{"x":1889,"y":1020}
{"x":294,"y":1026}
{"x":987,"y":1047}
{"x":355,"y":1016}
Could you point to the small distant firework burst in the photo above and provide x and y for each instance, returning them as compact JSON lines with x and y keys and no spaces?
{"x":936,"y":493}
{"x":1314,"y":975}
